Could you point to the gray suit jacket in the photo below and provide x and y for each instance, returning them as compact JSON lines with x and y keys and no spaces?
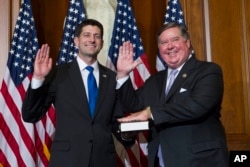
{"x":77,"y":136}
{"x":186,"y":123}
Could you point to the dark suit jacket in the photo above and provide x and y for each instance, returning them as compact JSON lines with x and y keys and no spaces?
{"x":77,"y":135}
{"x":186,"y":123}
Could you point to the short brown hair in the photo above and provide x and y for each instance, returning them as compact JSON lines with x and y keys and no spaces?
{"x":182,"y":28}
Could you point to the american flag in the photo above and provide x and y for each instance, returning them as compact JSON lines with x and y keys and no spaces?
{"x":76,"y":14}
{"x":22,"y":144}
{"x":125,"y":29}
{"x":174,"y":13}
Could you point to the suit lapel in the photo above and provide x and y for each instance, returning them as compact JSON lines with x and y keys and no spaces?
{"x":162,"y":81}
{"x":182,"y":76}
{"x":103,"y":84}
{"x":80,"y":92}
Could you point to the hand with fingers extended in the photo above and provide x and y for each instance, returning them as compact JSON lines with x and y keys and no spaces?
{"x":142,"y":115}
{"x":43,"y":63}
{"x":126,"y":62}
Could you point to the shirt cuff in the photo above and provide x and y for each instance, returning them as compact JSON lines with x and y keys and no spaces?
{"x":36,"y":83}
{"x":121,"y":81}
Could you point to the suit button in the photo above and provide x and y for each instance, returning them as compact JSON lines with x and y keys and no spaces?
{"x":91,"y":141}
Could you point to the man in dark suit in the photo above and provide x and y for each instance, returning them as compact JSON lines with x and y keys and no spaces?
{"x":80,"y":139}
{"x":186,"y":129}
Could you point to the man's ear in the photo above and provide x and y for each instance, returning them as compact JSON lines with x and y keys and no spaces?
{"x":76,"y":41}
{"x":102,"y":43}
{"x":189,"y":43}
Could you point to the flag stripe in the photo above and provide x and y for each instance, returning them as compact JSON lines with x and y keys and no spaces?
{"x":52,"y":115}
{"x":39,"y":145}
{"x":3,"y":159}
{"x":132,"y":157}
{"x":12,"y":148}
{"x":10,"y":102}
{"x":142,"y":137}
{"x":119,"y":161}
{"x":141,"y":72}
{"x":137,"y":79}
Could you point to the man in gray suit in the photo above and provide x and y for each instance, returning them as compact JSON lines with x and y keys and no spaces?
{"x":80,"y":140}
{"x":185,"y":120}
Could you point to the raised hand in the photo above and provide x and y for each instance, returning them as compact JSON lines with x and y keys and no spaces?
{"x":43,"y":63}
{"x":125,"y":62}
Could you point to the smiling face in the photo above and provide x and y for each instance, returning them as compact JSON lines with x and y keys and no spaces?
{"x":89,"y":42}
{"x":173,"y":47}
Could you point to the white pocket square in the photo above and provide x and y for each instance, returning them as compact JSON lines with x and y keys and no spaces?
{"x":183,"y":90}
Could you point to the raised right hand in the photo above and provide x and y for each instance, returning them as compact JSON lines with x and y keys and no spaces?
{"x":43,"y":63}
{"x":125,"y":61}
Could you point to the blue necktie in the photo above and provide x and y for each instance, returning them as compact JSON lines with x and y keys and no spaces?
{"x":92,"y":90}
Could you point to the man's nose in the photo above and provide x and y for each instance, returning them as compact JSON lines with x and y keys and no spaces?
{"x":170,"y":45}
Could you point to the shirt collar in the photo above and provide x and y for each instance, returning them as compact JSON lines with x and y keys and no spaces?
{"x":179,"y":68}
{"x":83,"y":65}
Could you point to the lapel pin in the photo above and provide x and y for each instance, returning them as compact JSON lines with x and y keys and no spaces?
{"x":104,"y":75}
{"x":184,"y":75}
